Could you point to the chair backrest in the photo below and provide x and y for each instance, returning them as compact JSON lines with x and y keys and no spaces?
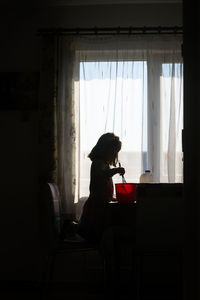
{"x":57,"y":209}
{"x":159,"y":216}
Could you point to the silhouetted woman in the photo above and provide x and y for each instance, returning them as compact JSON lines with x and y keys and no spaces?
{"x":93,"y":220}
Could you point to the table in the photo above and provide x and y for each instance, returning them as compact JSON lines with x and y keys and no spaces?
{"x":121,"y":217}
{"x":122,"y":220}
{"x":122,"y":214}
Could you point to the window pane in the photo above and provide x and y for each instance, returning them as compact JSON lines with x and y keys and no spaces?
{"x":113,"y":98}
{"x":171,"y":120}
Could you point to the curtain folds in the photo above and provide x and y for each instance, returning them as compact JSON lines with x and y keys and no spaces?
{"x":67,"y":125}
{"x":47,"y":146}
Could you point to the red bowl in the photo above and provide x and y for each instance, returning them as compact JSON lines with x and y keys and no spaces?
{"x":126,"y":192}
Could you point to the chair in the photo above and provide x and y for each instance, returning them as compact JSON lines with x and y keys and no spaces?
{"x":159,"y":227}
{"x":65,"y":239}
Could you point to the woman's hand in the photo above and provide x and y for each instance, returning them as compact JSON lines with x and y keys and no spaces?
{"x":114,"y":171}
{"x":120,"y":171}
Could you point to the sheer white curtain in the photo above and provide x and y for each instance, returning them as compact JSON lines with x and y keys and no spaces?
{"x":132,"y":86}
{"x":113,"y":98}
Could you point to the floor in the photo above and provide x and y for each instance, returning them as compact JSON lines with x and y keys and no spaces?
{"x":157,"y":283}
{"x":152,"y":289}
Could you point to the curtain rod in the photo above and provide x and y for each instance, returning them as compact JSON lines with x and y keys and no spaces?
{"x":112,"y":30}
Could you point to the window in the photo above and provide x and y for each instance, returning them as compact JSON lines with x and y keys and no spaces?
{"x":142,"y":102}
{"x":171,"y":111}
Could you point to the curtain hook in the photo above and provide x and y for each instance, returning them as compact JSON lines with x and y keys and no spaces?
{"x":96,"y":30}
{"x":144,"y":29}
{"x":118,"y":30}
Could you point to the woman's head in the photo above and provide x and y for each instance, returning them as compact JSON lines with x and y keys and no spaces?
{"x":107,"y":148}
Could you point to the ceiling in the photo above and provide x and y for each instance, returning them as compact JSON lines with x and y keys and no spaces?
{"x":82,"y":2}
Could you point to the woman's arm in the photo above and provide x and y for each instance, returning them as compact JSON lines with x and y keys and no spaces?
{"x":113,"y":171}
{"x":100,"y":168}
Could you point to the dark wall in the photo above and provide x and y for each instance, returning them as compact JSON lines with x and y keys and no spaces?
{"x":21,"y":47}
{"x":191,"y":53}
{"x":20,"y":51}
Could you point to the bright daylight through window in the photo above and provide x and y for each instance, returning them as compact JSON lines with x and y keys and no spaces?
{"x":118,"y":96}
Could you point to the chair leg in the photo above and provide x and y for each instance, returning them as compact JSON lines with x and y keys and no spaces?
{"x":138,"y":277}
{"x":180,"y":278}
{"x":107,"y":278}
{"x":108,"y":273}
{"x":48,"y":277}
{"x":133,"y":271}
{"x":112,"y":276}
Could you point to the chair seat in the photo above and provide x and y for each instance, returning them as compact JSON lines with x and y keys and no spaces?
{"x":75,"y":243}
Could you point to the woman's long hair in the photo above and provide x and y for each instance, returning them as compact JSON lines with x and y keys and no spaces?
{"x":107,"y":143}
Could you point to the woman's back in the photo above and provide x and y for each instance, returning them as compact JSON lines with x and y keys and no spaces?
{"x":101,"y":185}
